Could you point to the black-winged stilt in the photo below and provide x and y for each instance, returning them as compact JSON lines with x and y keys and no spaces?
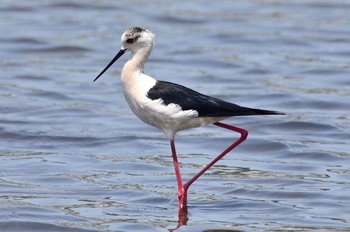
{"x":172,"y":107}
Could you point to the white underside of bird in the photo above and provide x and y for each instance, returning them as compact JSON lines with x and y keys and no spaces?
{"x":169,"y":118}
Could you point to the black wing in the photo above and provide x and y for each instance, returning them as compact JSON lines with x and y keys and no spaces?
{"x":206,"y":106}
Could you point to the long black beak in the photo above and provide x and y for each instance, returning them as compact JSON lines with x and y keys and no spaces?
{"x":119,"y":54}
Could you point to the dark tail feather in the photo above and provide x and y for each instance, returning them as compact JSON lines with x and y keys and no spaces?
{"x":237,"y":110}
{"x":250,"y":111}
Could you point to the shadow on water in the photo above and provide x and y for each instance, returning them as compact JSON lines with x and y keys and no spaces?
{"x":184,"y":217}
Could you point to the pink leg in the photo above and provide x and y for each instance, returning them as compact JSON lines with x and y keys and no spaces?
{"x":182,"y":189}
{"x":181,"y":192}
{"x":243,"y":137}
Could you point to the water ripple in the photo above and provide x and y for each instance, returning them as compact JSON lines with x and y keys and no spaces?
{"x":73,"y":157}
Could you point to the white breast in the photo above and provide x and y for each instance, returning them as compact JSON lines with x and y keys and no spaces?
{"x":169,"y":118}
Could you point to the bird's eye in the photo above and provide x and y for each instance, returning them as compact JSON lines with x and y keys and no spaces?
{"x":130,"y":40}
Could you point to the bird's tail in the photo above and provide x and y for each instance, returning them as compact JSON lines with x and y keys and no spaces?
{"x":251,"y":111}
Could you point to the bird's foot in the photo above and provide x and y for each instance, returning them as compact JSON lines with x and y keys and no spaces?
{"x":182,"y":199}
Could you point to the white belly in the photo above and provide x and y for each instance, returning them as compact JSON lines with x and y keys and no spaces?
{"x":169,"y":118}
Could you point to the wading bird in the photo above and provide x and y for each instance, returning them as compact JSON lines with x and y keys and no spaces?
{"x":172,"y":107}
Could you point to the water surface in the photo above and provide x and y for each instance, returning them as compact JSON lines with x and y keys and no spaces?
{"x":73,"y":157}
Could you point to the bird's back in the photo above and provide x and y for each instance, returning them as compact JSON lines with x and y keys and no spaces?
{"x":206,"y":106}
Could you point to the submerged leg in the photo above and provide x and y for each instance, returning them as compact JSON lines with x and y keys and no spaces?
{"x":181,"y":191}
{"x":243,"y":137}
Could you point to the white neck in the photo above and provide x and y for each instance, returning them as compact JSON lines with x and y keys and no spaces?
{"x":136,"y":61}
{"x":135,"y":82}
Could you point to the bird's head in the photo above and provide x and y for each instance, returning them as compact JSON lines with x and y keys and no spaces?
{"x":133,"y":39}
{"x":136,"y":38}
